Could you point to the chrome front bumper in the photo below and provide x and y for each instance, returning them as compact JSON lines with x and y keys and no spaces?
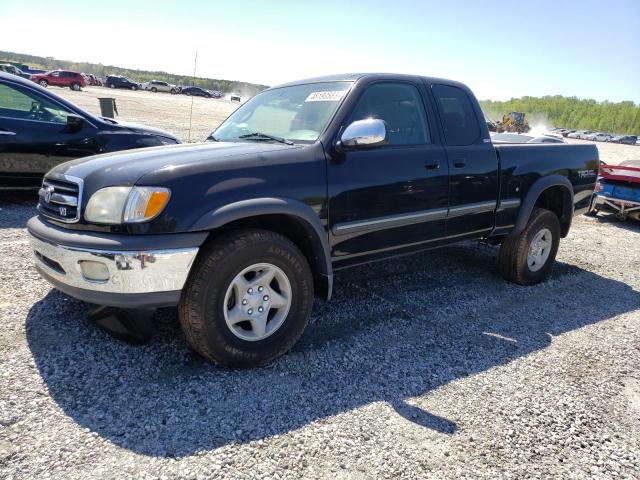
{"x":129,"y":272}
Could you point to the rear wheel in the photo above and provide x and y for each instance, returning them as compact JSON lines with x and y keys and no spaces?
{"x":173,"y":91}
{"x":527,"y":258}
{"x":43,"y":83}
{"x":154,"y":89}
{"x":133,"y":87}
{"x":248,"y":298}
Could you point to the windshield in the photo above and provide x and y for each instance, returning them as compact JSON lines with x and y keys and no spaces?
{"x":297,"y":113}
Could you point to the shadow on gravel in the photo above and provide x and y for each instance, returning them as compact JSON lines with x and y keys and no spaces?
{"x":394,"y":330}
{"x":16,"y":208}
{"x":628,"y":224}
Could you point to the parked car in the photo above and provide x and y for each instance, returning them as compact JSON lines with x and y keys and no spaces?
{"x":115,"y":81}
{"x":196,"y":91}
{"x":235,"y":97}
{"x":628,"y":139}
{"x":60,"y":78}
{"x":602,"y":137}
{"x":301,"y":180}
{"x":12,"y":69}
{"x":158,"y":86}
{"x":521,"y":138}
{"x":575,"y":134}
{"x":216,"y":93}
{"x":39,"y":130}
{"x":618,"y":190}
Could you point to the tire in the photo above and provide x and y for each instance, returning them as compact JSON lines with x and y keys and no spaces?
{"x":111,"y":85}
{"x":515,"y":250}
{"x":154,"y":89}
{"x":209,"y":299}
{"x":173,"y":91}
{"x":75,"y":87}
{"x":188,"y":94}
{"x":134,"y":88}
{"x":43,"y":83}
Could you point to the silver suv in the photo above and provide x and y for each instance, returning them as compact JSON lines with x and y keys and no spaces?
{"x":158,"y":86}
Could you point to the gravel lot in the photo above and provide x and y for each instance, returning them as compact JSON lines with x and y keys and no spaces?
{"x":430,"y":366}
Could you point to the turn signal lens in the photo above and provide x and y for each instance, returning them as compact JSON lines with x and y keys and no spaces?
{"x":145,"y":203}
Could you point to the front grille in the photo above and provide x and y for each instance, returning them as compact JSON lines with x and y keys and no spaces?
{"x":60,"y":198}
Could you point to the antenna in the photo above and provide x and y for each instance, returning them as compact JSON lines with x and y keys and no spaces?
{"x":195,"y":63}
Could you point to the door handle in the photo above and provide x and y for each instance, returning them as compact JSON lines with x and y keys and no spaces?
{"x":459,"y":162}
{"x":431,"y":165}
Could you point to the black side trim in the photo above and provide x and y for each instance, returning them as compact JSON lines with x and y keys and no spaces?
{"x":112,"y":241}
{"x":121,"y":300}
{"x":532,"y":196}
{"x":390,"y":221}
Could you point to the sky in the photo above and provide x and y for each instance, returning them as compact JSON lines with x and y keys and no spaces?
{"x":583,"y":48}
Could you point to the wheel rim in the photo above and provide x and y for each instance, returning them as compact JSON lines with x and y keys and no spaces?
{"x":43,"y":83}
{"x":540,"y":249}
{"x":257,"y":302}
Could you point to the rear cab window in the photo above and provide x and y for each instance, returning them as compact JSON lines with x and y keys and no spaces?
{"x":457,"y":116}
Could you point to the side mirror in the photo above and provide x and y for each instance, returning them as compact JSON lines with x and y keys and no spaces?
{"x":362,"y":134}
{"x":74,"y":123}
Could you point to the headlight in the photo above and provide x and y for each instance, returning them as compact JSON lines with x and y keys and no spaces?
{"x":116,"y":205}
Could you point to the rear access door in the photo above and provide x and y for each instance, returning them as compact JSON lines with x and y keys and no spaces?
{"x":473,"y":163}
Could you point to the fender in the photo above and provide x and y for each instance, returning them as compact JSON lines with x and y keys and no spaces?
{"x":532,"y":196}
{"x":254,"y":207}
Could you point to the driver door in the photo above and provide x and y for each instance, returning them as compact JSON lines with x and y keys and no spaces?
{"x":34,"y":137}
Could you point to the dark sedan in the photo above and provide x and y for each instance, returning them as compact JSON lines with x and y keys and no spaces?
{"x":39,"y":130}
{"x":197,"y":92}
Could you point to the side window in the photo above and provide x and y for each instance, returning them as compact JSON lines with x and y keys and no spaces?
{"x":400,"y":106}
{"x":26,"y":105}
{"x":459,"y":121}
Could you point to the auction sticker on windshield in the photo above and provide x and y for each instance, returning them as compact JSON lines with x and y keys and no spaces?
{"x":331,"y":96}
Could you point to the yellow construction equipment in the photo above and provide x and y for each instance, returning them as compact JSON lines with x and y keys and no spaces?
{"x":513,"y":122}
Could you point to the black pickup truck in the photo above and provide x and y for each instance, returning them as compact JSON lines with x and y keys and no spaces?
{"x":302,"y":180}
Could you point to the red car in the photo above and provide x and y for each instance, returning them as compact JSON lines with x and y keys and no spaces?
{"x":60,"y":78}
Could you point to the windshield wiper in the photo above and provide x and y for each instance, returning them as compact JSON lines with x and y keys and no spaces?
{"x":264,"y":136}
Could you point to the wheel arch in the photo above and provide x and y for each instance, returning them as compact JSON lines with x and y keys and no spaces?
{"x":292,"y":218}
{"x":554,"y":193}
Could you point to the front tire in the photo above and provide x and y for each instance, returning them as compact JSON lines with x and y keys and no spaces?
{"x":247,"y":299}
{"x":527,"y":258}
{"x":75,"y":87}
{"x":43,"y":83}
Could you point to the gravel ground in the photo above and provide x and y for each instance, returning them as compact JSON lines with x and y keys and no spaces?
{"x":430,"y":366}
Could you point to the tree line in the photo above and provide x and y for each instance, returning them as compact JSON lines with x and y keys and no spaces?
{"x":140,"y":76}
{"x":570,"y":112}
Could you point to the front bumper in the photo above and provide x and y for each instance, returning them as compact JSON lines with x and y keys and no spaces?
{"x":141,"y":278}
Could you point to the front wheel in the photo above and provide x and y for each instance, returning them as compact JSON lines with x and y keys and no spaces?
{"x":75,"y":87}
{"x":112,"y":85}
{"x":43,"y":83}
{"x":133,"y":87}
{"x":248,"y":298}
{"x":527,"y":258}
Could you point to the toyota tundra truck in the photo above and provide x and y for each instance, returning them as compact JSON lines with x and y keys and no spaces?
{"x":304,"y":179}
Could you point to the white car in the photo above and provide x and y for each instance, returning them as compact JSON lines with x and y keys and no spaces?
{"x":158,"y":86}
{"x":574,"y":134}
{"x":602,"y":137}
{"x":235,"y":97}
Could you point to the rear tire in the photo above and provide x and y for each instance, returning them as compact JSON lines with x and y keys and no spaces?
{"x":527,"y":258}
{"x":134,"y":88}
{"x":214,"y":308}
{"x":154,"y":89}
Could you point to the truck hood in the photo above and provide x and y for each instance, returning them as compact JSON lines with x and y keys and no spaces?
{"x":127,"y":167}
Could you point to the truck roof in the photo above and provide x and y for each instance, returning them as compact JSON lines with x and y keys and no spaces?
{"x":350,"y":77}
